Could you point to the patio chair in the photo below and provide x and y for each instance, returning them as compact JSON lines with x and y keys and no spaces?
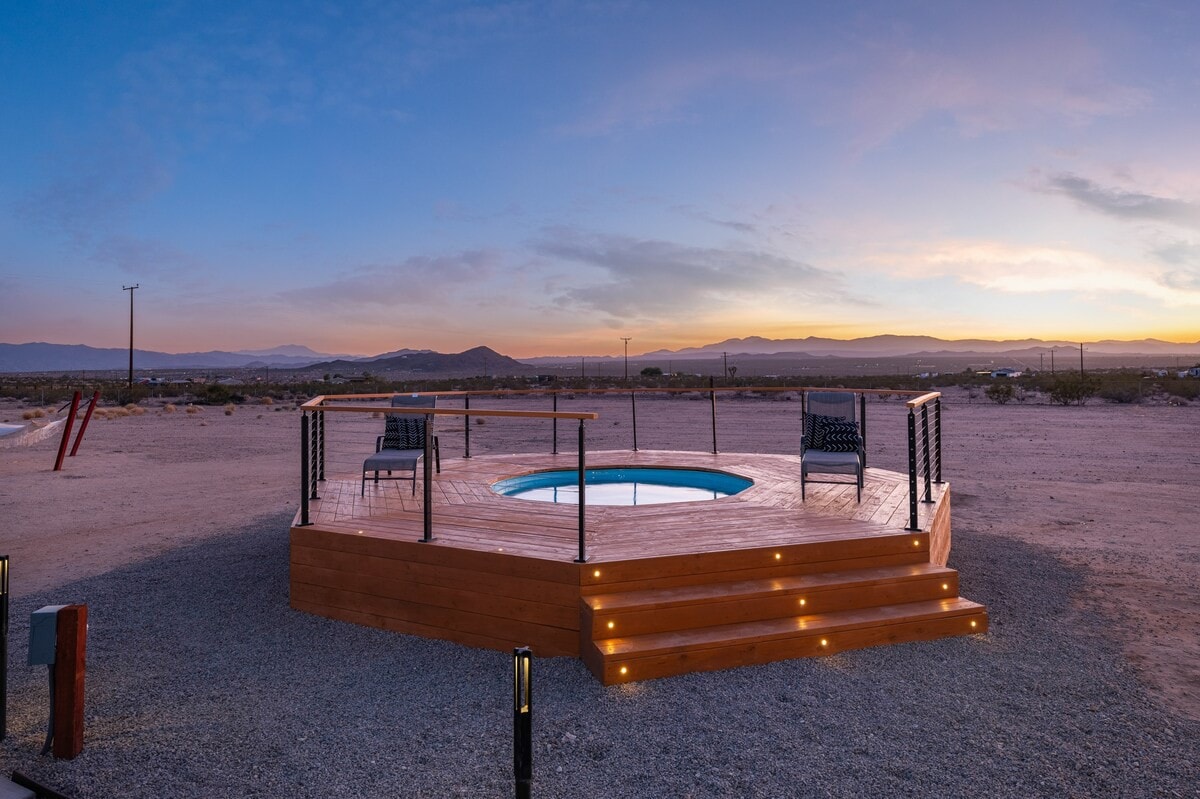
{"x":402,"y":443}
{"x":831,"y":443}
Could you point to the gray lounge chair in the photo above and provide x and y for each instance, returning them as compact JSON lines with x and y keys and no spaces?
{"x":839,"y":452}
{"x":403,"y":443}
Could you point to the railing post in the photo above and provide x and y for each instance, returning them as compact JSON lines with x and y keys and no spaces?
{"x":320,"y":418}
{"x":633,"y":408}
{"x":925,"y":443}
{"x":467,"y":426}
{"x":554,"y":426}
{"x":582,"y":500}
{"x":304,"y":469}
{"x":428,"y":489}
{"x":712,"y":399}
{"x":312,"y":448}
{"x":862,"y":427}
{"x":912,"y":472}
{"x":937,"y":436}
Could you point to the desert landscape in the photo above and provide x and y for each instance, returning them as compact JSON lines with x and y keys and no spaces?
{"x":1074,"y":525}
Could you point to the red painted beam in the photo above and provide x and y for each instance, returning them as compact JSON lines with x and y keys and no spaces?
{"x":69,"y":671}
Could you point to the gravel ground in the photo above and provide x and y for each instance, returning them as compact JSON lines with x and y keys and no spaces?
{"x":203,"y":683}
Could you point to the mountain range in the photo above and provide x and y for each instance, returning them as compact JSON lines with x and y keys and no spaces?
{"x":42,"y":357}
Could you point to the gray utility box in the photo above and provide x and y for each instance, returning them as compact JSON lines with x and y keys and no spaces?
{"x":43,"y":634}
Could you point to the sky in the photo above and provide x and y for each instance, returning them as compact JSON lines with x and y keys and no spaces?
{"x":546,"y":178}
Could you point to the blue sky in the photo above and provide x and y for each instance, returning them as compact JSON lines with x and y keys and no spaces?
{"x":545,"y":178}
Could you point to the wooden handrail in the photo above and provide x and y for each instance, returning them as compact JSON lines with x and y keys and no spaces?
{"x":921,"y":400}
{"x":455,"y":412}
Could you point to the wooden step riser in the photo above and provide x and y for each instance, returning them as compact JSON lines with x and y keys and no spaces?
{"x":731,"y":575}
{"x":608,"y":671}
{"x":627,"y":575}
{"x":714,"y":611}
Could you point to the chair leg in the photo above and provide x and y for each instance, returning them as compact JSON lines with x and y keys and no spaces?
{"x":362,"y":490}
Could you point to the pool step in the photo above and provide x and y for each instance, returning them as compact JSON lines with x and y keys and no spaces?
{"x":646,"y":633}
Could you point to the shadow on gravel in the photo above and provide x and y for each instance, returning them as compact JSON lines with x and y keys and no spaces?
{"x":202,"y":682}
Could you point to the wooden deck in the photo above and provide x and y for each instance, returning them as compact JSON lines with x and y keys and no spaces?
{"x":666,"y":589}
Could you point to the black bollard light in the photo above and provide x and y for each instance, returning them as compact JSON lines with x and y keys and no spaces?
{"x":3,"y":646}
{"x":523,"y":720}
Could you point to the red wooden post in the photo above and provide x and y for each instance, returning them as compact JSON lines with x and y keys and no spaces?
{"x":62,"y":448}
{"x":69,"y":671}
{"x":86,"y":418}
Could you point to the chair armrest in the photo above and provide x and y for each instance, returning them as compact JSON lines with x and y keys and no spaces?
{"x":378,"y":443}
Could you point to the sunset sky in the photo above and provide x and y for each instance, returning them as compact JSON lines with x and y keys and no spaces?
{"x":545,"y":178}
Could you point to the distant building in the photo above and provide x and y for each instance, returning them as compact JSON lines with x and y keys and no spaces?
{"x":1194,"y":371}
{"x":1006,"y":372}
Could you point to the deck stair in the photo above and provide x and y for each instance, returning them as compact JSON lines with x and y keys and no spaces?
{"x":637,"y":631}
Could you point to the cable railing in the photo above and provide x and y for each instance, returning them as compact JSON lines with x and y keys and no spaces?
{"x":924,"y":453}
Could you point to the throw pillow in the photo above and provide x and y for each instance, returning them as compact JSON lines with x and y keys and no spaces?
{"x":814,"y":430}
{"x":404,"y":433}
{"x":840,"y":437}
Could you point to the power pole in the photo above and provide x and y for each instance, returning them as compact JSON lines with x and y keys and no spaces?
{"x":725,"y":357}
{"x":1051,"y":361}
{"x":130,"y":290}
{"x":583,"y":367}
{"x":626,"y":340}
{"x":1081,"y":359}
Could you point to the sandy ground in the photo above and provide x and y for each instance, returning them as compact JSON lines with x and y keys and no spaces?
{"x":1111,"y":488}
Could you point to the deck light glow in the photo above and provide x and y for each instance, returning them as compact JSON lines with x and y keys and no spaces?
{"x":916,"y":542}
{"x":596,"y":573}
{"x":778,"y":556}
{"x":945,"y":586}
{"x":803,"y":602}
{"x":624,"y":670}
{"x":824,"y":642}
{"x":972,"y":622}
{"x":612,"y":624}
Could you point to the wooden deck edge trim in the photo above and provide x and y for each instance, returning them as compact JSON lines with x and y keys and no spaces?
{"x":419,"y":630}
{"x":939,"y":530}
{"x":452,"y":623}
{"x":450,"y":598}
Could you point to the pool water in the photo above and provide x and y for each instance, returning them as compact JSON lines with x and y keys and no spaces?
{"x":618,"y":486}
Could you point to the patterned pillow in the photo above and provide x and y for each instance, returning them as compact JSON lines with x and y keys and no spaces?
{"x":404,"y":433}
{"x":814,"y":430}
{"x":840,"y":437}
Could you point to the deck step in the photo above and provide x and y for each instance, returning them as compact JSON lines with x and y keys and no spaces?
{"x":662,"y":654}
{"x":705,"y":605}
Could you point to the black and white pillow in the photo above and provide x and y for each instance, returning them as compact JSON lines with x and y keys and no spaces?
{"x":814,"y":430}
{"x":403,"y":433}
{"x":840,"y":437}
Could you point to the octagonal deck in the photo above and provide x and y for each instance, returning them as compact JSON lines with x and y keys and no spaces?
{"x":710,"y":576}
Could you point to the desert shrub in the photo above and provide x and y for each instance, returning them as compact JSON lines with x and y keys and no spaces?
{"x":1001,"y":393}
{"x":194,"y":409}
{"x":1184,"y":388}
{"x":229,"y":408}
{"x":1072,"y":390}
{"x":169,"y":408}
{"x":266,"y":401}
{"x":1123,"y":389}
{"x":36,"y":413}
{"x":131,"y":406}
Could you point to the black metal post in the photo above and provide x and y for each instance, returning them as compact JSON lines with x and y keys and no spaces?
{"x":428,"y":490}
{"x":320,"y":417}
{"x":312,"y":464}
{"x":633,"y":409}
{"x":862,"y":425}
{"x":912,"y":472}
{"x":3,"y":646}
{"x":937,"y":436}
{"x":712,"y":399}
{"x":304,"y":470}
{"x":554,"y":426}
{"x":582,"y":502}
{"x":925,"y":442}
{"x":467,"y":426}
{"x":523,"y":720}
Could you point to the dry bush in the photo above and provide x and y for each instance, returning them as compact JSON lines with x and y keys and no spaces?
{"x":131,"y":407}
{"x":169,"y":408}
{"x":117,"y":413}
{"x":194,"y":409}
{"x":36,"y":413}
{"x":267,"y":401}
{"x":136,"y":410}
{"x":229,"y":409}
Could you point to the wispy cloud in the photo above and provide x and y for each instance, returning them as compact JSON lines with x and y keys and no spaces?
{"x":409,"y":284}
{"x":1123,"y":204}
{"x":652,"y":278}
{"x":692,"y":212}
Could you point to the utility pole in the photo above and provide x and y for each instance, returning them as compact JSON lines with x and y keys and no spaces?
{"x":725,"y":357}
{"x":583,"y":367}
{"x":130,"y":290}
{"x":626,"y":340}
{"x":1081,"y":359}
{"x":1051,"y":361}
